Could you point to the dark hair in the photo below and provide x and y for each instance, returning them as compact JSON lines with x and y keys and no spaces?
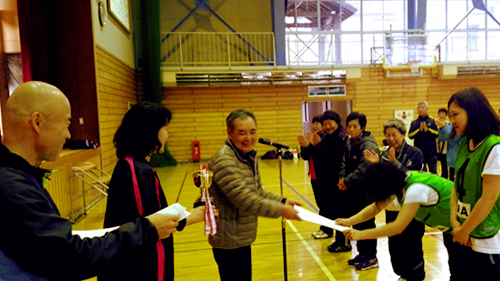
{"x":385,"y":180}
{"x":317,"y":119}
{"x":331,"y":115}
{"x":355,"y":115}
{"x":443,"y":110}
{"x":239,"y":113}
{"x":137,"y":136}
{"x":482,"y":120}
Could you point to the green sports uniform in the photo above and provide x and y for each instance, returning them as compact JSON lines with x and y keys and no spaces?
{"x":468,"y":185}
{"x":436,"y":215}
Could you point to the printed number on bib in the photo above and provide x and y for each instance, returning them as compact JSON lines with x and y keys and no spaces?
{"x":459,"y":182}
{"x":463,"y":210}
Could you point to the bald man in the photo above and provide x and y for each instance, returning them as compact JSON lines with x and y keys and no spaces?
{"x":35,"y":242}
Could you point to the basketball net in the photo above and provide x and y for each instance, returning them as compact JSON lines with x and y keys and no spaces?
{"x":414,"y":66}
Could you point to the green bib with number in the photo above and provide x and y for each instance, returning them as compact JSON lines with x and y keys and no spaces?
{"x":437,"y":215}
{"x":469,"y":185}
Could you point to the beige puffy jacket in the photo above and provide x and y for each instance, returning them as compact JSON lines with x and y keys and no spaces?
{"x":239,"y":196}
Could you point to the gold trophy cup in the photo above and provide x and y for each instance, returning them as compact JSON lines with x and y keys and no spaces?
{"x":202,"y":179}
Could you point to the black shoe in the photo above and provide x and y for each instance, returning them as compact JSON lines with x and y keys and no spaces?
{"x":336,"y":248}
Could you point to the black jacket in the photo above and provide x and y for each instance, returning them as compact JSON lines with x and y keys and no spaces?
{"x":327,"y":155}
{"x":408,"y":158}
{"x":122,"y":208}
{"x":425,"y":141}
{"x":354,"y":163}
{"x":40,"y":241}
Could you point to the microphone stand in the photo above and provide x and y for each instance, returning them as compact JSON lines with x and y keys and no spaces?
{"x":283,"y":220}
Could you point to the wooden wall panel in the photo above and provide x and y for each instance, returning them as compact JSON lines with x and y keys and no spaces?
{"x":117,"y":85}
{"x":199,"y":112}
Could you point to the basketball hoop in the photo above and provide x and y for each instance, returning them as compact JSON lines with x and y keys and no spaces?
{"x":414,"y":66}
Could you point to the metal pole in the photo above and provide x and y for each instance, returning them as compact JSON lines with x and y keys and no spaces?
{"x":283,"y":220}
{"x":455,"y":27}
{"x":180,"y":49}
{"x":228,"y":50}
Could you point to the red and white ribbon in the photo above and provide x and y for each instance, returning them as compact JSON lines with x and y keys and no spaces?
{"x":210,"y":223}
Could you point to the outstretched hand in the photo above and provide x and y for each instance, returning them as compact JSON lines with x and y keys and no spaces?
{"x":343,"y":222}
{"x":198,"y":214}
{"x":165,"y":224}
{"x":289,"y":212}
{"x":353,"y":234}
{"x":292,"y":202}
{"x":371,"y":156}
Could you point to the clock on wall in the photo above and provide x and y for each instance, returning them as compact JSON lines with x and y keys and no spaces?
{"x":103,"y":14}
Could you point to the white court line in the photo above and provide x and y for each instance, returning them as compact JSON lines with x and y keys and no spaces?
{"x":313,"y":254}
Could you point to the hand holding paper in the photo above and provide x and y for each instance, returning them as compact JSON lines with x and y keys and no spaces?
{"x":175,"y":209}
{"x":315,"y":218}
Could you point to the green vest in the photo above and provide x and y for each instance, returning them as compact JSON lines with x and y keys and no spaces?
{"x":469,"y":185}
{"x":438,"y":215}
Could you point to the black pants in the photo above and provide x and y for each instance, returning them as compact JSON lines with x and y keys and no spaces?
{"x":342,"y":208}
{"x":466,"y":264}
{"x":367,"y":248}
{"x":234,"y":264}
{"x":324,"y":194}
{"x":407,"y":257}
{"x":431,"y":161}
{"x":357,"y":201}
{"x":444,"y":166}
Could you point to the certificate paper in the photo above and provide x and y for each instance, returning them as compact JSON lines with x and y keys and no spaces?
{"x":315,"y":218}
{"x":174,"y":209}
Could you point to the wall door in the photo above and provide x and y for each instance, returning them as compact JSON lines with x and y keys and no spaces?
{"x":311,"y":109}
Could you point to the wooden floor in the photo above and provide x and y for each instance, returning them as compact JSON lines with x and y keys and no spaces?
{"x":307,"y":258}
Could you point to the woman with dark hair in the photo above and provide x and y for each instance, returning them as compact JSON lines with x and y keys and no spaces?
{"x":423,"y":197}
{"x":351,"y":182}
{"x":135,"y":191}
{"x":475,"y":203}
{"x":407,"y":257}
{"x":324,"y":153}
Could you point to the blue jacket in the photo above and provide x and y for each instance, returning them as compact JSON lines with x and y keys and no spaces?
{"x":453,"y":143}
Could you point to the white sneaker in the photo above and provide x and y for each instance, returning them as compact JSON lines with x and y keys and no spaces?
{"x":320,"y":234}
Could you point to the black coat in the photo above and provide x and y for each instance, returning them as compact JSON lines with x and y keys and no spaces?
{"x":408,"y":158}
{"x":327,"y":155}
{"x":41,"y":242}
{"x":122,"y":208}
{"x":425,"y":141}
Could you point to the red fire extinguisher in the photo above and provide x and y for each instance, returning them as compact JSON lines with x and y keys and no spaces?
{"x":196,"y":151}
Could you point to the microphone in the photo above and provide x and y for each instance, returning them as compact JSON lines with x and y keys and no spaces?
{"x":275,"y":144}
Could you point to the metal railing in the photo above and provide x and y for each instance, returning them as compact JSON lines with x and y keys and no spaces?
{"x":223,"y":49}
{"x":324,"y":48}
{"x":362,"y":48}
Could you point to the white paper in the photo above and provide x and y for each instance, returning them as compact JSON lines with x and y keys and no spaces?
{"x":315,"y":218}
{"x":93,"y":233}
{"x":174,"y":209}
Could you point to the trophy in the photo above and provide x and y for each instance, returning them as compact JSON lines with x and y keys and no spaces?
{"x":203,"y":180}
